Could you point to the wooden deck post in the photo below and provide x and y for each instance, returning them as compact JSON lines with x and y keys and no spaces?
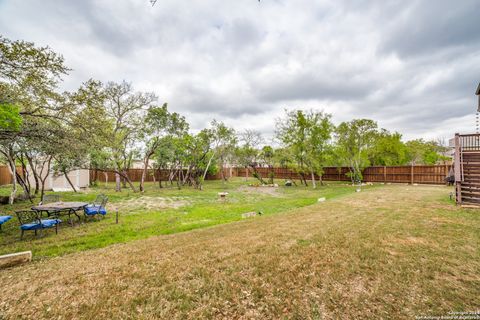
{"x":457,"y":169}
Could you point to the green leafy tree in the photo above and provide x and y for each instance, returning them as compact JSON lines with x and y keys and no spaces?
{"x":223,"y":141}
{"x":248,"y":152}
{"x":420,"y":151}
{"x":267,"y":155}
{"x":126,"y":109}
{"x":353,"y":141}
{"x":29,"y":77}
{"x":307,"y":135}
{"x":388,"y":150}
{"x":159,"y":123}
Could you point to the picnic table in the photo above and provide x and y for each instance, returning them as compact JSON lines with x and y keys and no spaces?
{"x":57,"y":207}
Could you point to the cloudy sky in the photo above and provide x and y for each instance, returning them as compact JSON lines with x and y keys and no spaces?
{"x":413,"y":66}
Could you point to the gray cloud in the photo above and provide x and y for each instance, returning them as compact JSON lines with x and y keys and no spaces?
{"x":411,"y":66}
{"x":427,"y":26}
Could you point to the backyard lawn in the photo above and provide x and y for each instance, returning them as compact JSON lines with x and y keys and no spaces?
{"x":388,"y":252}
{"x":156,"y":212}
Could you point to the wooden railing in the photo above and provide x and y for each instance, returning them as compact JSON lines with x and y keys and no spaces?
{"x":470,"y":142}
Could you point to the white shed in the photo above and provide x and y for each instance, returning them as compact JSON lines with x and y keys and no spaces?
{"x":80,"y":178}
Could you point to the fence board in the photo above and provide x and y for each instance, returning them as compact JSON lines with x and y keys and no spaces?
{"x":434,"y":174}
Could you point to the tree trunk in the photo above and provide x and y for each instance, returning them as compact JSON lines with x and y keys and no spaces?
{"x":24,"y":185}
{"x":12,"y":169}
{"x":224,"y":178}
{"x":208,"y":166}
{"x":144,"y":173}
{"x":26,"y":179}
{"x":69,"y":181}
{"x":105,"y":173}
{"x":118,"y":186}
{"x":35,"y":174}
{"x":304,"y":179}
{"x":126,"y":178}
{"x":43,"y":179}
{"x":313,"y":180}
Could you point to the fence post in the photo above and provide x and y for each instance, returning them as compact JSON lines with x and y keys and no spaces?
{"x":384,"y":174}
{"x":411,"y":174}
{"x":446,"y":173}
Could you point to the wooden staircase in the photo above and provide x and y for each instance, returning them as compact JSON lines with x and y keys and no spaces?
{"x":467,"y":169}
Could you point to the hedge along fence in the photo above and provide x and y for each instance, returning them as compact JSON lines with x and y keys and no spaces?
{"x":434,"y":174}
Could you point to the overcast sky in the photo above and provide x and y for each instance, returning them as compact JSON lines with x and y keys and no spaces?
{"x":413,"y":66}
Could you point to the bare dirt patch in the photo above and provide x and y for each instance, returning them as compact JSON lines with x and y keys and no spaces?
{"x":150,"y":203}
{"x":271,"y":191}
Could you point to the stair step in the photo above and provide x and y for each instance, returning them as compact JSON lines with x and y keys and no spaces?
{"x":470,"y":189}
{"x":470,"y":200}
{"x":470,"y":186}
{"x":471,"y":181}
{"x":471,"y":206}
{"x":470,"y":195}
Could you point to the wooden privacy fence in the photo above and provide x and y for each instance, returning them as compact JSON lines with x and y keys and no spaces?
{"x":135,"y":175}
{"x":5,"y":176}
{"x":434,"y":174}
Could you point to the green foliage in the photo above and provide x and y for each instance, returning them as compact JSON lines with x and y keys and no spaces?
{"x":354,"y":139}
{"x":420,"y":151}
{"x":388,"y":150}
{"x":10,"y":119}
{"x":306,"y":135}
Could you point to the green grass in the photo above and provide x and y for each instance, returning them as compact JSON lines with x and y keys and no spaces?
{"x":388,"y":252}
{"x":136,"y":221}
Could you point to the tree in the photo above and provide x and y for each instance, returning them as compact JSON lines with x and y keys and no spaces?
{"x":420,"y":151}
{"x":388,"y":150}
{"x":158,"y":124}
{"x":354,"y":139}
{"x":126,"y":110}
{"x":29,"y":76}
{"x":307,"y":135}
{"x":248,"y":152}
{"x":267,"y":154}
{"x":198,"y":150}
{"x":223,"y":140}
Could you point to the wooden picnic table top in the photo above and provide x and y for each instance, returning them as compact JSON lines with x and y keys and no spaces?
{"x":60,"y":206}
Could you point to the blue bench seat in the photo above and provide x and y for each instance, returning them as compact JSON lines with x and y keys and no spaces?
{"x":4,"y":219}
{"x":93,"y":210}
{"x":45,"y":223}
